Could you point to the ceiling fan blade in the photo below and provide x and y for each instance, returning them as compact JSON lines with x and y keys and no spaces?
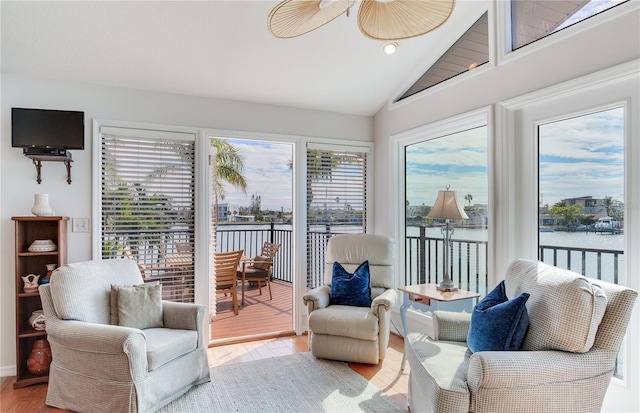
{"x":402,"y":19}
{"x":292,"y":18}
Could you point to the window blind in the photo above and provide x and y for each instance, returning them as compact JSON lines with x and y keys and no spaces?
{"x":148,"y":205}
{"x":336,"y":200}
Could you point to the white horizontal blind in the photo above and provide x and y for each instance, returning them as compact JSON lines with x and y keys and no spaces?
{"x":148,"y":205}
{"x":336,"y":200}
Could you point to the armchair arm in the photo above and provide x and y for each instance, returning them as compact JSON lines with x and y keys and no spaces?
{"x":508,"y":369}
{"x":386,"y":300}
{"x":317,"y":298}
{"x":450,"y":325}
{"x":102,"y":338}
{"x":184,"y":316}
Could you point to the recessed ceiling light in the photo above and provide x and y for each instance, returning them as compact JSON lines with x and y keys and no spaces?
{"x":389,"y":48}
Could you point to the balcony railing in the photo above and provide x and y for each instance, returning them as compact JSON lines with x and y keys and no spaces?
{"x":590,"y":262}
{"x":424,"y":262}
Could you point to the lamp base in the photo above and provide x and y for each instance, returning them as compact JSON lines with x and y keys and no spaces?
{"x":441,"y":287}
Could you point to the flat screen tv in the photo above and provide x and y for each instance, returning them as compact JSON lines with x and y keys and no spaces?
{"x":43,"y":128}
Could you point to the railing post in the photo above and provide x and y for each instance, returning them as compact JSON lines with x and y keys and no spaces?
{"x":271,"y":233}
{"x":421,"y":256}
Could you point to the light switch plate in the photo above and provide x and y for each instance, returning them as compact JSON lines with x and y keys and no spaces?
{"x":80,"y":225}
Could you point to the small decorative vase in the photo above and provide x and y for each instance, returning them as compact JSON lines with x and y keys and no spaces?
{"x":39,"y":360}
{"x":47,"y":278}
{"x":30,"y":283}
{"x":41,"y":207}
{"x":37,"y":320}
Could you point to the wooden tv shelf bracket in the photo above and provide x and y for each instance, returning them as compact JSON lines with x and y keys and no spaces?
{"x":37,"y":161}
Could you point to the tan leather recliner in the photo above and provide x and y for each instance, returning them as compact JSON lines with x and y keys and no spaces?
{"x":354,"y":334}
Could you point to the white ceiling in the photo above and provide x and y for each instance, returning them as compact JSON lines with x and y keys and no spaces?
{"x":219,"y":49}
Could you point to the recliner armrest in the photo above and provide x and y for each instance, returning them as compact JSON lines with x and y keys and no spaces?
{"x":450,"y":325}
{"x":506,"y":369}
{"x":387,"y":299}
{"x":317,"y":298}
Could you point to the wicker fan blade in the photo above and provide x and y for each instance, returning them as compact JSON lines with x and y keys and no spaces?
{"x":402,"y":19}
{"x":293,"y":18}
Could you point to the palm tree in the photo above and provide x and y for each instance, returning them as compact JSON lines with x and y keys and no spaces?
{"x":468,"y":198}
{"x":229,"y":169}
{"x":607,"y":201}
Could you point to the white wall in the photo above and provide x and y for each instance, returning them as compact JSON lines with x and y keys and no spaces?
{"x":605,"y":41}
{"x":17,"y":173}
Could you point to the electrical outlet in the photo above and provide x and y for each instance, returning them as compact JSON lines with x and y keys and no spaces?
{"x":80,"y":224}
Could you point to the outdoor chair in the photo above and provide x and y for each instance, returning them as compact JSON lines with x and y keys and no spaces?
{"x":259,"y":269}
{"x":226,"y":268}
{"x":116,"y":345}
{"x":344,"y":324}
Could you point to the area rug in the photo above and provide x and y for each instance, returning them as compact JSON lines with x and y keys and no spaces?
{"x":294,"y":383}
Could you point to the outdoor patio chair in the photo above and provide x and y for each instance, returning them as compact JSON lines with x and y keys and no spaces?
{"x":259,"y":269}
{"x":226,"y":267}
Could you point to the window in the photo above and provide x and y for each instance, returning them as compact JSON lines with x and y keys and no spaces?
{"x":147,"y":204}
{"x":581,"y":186}
{"x":336,"y":200}
{"x":467,"y":53}
{"x":532,"y":20}
{"x":460,"y":161}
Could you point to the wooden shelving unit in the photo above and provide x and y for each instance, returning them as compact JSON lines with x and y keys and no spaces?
{"x":29,"y":229}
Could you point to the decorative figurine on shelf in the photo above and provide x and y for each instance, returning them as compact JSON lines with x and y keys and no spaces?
{"x":40,"y":358}
{"x":37,"y":320}
{"x":47,"y":278}
{"x":30,"y":283}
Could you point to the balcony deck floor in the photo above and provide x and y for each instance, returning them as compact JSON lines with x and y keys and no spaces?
{"x":259,"y":317}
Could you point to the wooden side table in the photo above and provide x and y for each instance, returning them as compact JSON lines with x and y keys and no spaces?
{"x":433,"y":299}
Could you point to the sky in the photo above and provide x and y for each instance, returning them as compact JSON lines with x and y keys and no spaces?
{"x":267,"y":173}
{"x":582,"y":156}
{"x":458,"y":160}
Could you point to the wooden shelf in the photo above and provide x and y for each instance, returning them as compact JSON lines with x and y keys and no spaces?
{"x":38,"y":159}
{"x":29,"y":229}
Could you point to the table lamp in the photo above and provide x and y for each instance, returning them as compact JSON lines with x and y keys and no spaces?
{"x":446,"y":207}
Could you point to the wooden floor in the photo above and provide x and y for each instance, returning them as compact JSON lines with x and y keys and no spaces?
{"x":258,"y":317}
{"x":386,"y":376}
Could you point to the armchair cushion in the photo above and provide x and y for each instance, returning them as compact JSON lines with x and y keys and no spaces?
{"x":138,"y":306}
{"x":262,"y":263}
{"x":351,"y":289}
{"x":498,"y":323}
{"x":165,"y":344}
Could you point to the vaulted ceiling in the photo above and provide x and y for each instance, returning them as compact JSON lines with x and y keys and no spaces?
{"x":219,"y":49}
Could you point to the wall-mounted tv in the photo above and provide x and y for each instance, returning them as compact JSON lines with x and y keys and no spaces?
{"x":43,"y":128}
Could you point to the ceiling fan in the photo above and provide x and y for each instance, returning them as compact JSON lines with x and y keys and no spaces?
{"x":377,"y":19}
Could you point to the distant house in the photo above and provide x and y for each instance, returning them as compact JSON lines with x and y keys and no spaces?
{"x":590,"y":205}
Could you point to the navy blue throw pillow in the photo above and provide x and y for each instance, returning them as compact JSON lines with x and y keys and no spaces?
{"x":497,"y":323}
{"x":351,"y":289}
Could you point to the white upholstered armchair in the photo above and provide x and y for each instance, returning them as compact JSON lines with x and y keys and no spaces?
{"x":565,"y":364}
{"x":351,"y":333}
{"x":101,"y":367}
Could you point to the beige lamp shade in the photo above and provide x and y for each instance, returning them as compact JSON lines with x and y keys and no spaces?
{"x":292,"y":18}
{"x":402,"y":19}
{"x":447,"y":207}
